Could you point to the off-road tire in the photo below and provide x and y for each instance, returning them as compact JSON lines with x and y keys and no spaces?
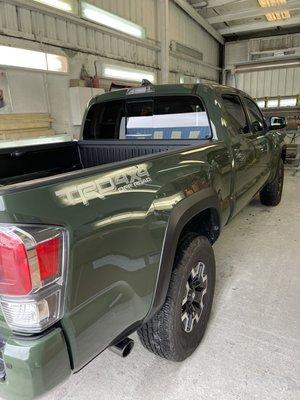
{"x":164,"y":334}
{"x":270,"y":195}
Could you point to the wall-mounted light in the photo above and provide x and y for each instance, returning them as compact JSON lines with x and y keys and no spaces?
{"x":64,"y":5}
{"x":181,"y":79}
{"x":24,"y":58}
{"x":127,"y":74}
{"x":110,"y":20}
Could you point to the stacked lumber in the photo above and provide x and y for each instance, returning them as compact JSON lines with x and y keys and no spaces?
{"x":25,"y":126}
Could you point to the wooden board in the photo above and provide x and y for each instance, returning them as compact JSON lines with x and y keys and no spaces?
{"x":12,"y":122}
{"x":26,"y":134}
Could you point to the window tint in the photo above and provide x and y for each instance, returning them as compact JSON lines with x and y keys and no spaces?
{"x":139,"y":108}
{"x":236,"y":112}
{"x":256,"y":119}
{"x":177,"y":105}
{"x":167,"y":117}
{"x":103,"y":120}
{"x":171,"y":117}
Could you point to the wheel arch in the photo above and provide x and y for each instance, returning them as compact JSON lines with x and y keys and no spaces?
{"x":198,"y":213}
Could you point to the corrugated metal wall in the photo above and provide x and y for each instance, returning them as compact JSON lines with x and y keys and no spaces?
{"x":186,"y":31}
{"x":272,"y":81}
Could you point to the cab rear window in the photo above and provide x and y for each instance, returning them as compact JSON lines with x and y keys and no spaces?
{"x":159,"y":118}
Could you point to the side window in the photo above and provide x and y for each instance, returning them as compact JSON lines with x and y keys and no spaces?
{"x":104,"y":120}
{"x":167,"y":117}
{"x":256,"y":118}
{"x":234,"y":107}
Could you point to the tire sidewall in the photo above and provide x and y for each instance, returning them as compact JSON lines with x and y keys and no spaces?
{"x":186,"y":342}
{"x":280,"y":181}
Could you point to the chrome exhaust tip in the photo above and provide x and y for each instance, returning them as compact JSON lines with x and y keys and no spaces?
{"x":123,"y":348}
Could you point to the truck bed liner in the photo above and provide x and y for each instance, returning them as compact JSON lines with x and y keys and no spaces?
{"x":32,"y":162}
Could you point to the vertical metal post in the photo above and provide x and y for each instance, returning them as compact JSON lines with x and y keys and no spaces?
{"x":164,"y":40}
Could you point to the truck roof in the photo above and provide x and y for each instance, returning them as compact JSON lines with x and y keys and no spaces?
{"x":162,"y":90}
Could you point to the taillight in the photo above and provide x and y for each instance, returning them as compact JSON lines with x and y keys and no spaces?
{"x":48,"y":254}
{"x":32,"y":275}
{"x":13,"y":253}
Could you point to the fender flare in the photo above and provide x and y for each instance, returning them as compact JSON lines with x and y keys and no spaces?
{"x":181,"y":214}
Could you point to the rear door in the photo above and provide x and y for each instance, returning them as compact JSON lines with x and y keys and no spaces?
{"x":246,"y":166}
{"x":259,"y":139}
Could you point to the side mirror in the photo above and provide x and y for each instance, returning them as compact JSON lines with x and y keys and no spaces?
{"x":276,"y":123}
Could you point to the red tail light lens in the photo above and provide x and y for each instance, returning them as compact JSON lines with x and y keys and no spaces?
{"x":32,"y":275}
{"x":15,"y":278}
{"x":48,"y":254}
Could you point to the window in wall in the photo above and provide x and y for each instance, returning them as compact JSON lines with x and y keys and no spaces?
{"x":272,"y":103}
{"x":261,"y":103}
{"x":64,"y":5}
{"x":110,"y":20}
{"x":236,"y":112}
{"x":288,"y":101}
{"x":256,"y":118}
{"x":16,"y":57}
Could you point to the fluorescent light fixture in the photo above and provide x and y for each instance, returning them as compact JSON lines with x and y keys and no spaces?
{"x":127,"y":74}
{"x":288,"y":102}
{"x":64,"y":5}
{"x":23,"y":58}
{"x":271,"y":3}
{"x":181,"y":79}
{"x":110,"y":20}
{"x":278,"y":15}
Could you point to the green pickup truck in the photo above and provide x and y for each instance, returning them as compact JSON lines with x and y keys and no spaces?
{"x":113,"y":233}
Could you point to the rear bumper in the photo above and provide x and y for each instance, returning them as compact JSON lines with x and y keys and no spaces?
{"x":33,"y":366}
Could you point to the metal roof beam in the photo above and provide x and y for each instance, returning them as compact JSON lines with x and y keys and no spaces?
{"x":184,"y":5}
{"x":215,"y":3}
{"x":253,"y":12}
{"x":255,"y":26}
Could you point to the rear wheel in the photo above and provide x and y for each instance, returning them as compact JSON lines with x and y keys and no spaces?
{"x":270,"y":195}
{"x":177,"y":329}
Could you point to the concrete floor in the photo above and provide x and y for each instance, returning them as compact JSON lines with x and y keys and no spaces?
{"x":251,"y":349}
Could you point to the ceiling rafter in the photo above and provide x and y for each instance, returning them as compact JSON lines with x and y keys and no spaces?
{"x":184,"y":5}
{"x":215,"y":3}
{"x":254,"y":26}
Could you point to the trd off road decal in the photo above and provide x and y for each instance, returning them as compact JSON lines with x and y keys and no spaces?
{"x":121,"y":180}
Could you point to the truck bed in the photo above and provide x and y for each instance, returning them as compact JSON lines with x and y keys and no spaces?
{"x":31,"y":162}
